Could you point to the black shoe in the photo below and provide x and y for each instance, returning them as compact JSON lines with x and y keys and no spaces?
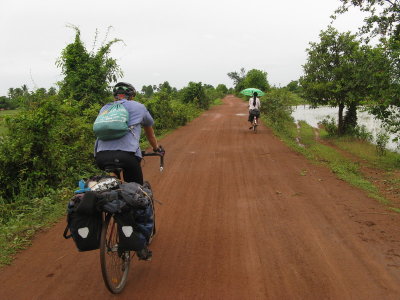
{"x":144,"y":254}
{"x":250,"y":128}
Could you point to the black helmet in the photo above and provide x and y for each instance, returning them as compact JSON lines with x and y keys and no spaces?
{"x":124,"y":88}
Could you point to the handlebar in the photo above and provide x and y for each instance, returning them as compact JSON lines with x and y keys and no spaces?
{"x":161,"y":155}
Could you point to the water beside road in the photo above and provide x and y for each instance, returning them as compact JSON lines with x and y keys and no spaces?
{"x":314,"y":116}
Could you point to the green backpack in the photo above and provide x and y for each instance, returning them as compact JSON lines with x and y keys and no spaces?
{"x":111,"y":123}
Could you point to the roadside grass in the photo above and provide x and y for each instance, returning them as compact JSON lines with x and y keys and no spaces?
{"x":303,"y":139}
{"x":25,"y":218}
{"x":368,"y":152}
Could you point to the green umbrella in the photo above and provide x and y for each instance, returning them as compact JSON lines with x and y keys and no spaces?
{"x":251,"y":91}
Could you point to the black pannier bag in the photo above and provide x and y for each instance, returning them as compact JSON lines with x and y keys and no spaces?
{"x":130,"y":236}
{"x":84,"y":222}
{"x":255,"y":112}
{"x":135,"y":225}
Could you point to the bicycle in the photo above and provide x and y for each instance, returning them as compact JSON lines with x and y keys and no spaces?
{"x":115,"y":262}
{"x":254,"y":114}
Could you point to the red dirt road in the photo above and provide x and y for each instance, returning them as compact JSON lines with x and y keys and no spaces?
{"x":243,"y":217}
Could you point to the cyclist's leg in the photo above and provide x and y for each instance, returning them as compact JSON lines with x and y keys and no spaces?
{"x":132,"y":168}
{"x":128,"y":160}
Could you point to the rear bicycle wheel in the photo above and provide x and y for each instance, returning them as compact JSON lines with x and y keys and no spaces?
{"x":114,"y":262}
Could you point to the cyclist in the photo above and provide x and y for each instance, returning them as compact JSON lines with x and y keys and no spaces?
{"x":254,"y":108}
{"x":126,"y":150}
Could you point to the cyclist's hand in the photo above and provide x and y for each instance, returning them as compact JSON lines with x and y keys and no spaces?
{"x":160,"y":150}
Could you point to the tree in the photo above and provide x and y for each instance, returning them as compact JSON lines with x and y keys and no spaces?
{"x":147,"y":90}
{"x":383,"y":16}
{"x":222,"y":89}
{"x":383,"y":21}
{"x":52,"y":91}
{"x":195,"y":93}
{"x":87,"y":74}
{"x":256,"y":79}
{"x":19,"y":96}
{"x":4,"y":102}
{"x":294,"y":86}
{"x":238,"y":78}
{"x":166,"y":87}
{"x":330,"y":74}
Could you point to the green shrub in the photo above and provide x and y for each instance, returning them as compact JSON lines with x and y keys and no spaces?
{"x":45,"y":146}
{"x":329,"y":125}
{"x":381,"y":142}
{"x":361,"y":133}
{"x":276,"y":106}
{"x":195,"y":93}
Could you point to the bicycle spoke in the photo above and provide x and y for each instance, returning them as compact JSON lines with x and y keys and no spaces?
{"x":114,"y":263}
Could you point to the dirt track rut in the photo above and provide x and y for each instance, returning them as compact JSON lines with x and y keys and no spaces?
{"x":243,"y":217}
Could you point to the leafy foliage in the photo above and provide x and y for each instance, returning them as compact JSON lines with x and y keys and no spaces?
{"x":40,"y":151}
{"x":383,"y":15}
{"x":221,"y":89}
{"x":277,"y":107}
{"x":238,"y":79}
{"x":329,"y":124}
{"x":256,"y":79}
{"x":381,"y":142}
{"x":147,"y":91}
{"x":195,"y":93}
{"x":294,"y":87}
{"x":252,"y":79}
{"x":339,"y":73}
{"x":383,"y":20}
{"x":87,"y":74}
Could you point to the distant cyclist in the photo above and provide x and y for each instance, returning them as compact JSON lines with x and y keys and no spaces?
{"x":254,"y":108}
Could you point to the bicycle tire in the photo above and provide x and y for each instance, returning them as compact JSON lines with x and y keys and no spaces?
{"x":114,"y":263}
{"x":254,"y":126}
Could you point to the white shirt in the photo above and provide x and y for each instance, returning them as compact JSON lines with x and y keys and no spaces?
{"x":251,"y":106}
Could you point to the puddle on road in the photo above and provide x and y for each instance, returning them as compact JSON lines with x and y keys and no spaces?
{"x":241,"y":115}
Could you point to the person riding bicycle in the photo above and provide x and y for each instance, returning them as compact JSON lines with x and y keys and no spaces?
{"x":126,"y":150}
{"x":254,"y":108}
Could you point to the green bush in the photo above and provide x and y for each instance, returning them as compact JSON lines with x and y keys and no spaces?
{"x":329,"y":125}
{"x":361,"y":133}
{"x":45,"y":146}
{"x":195,"y":93}
{"x":160,"y":108}
{"x":381,"y":142}
{"x":276,"y":106}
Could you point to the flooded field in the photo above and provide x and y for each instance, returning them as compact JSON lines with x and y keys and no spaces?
{"x":314,"y":116}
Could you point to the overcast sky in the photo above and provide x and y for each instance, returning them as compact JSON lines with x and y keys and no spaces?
{"x":176,"y":40}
